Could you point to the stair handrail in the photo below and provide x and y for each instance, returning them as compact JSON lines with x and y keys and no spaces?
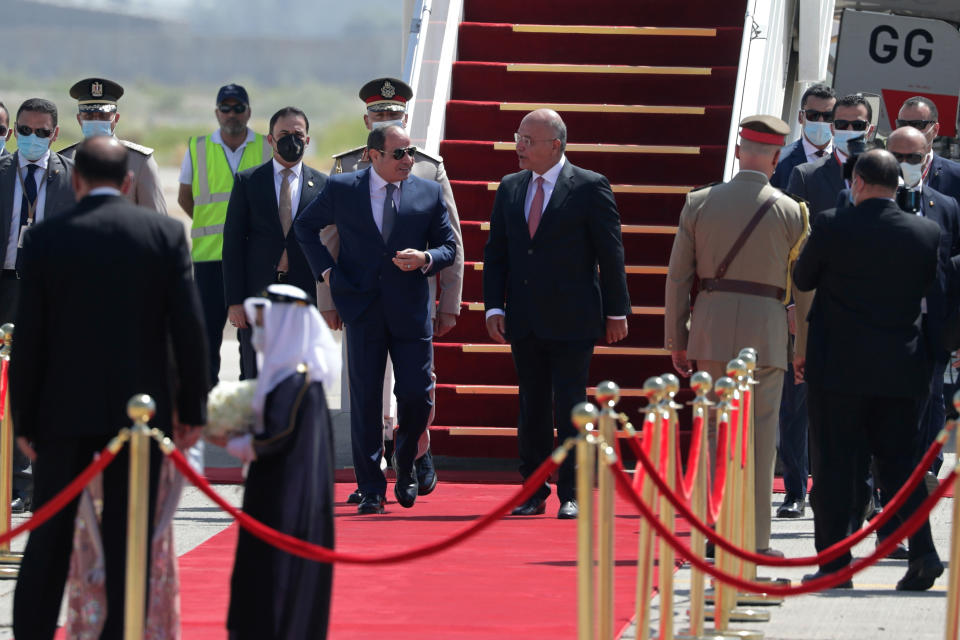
{"x":419,"y":23}
{"x":441,"y":90}
{"x":744,"y":60}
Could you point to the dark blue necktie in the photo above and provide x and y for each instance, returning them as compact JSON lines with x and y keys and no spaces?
{"x":26,"y":203}
{"x":389,"y":212}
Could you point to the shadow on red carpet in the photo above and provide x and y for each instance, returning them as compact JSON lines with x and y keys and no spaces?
{"x":515,"y":580}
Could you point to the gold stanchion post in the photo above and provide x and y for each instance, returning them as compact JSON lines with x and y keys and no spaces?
{"x":9,"y":561}
{"x":584,"y":418}
{"x":749,"y":357}
{"x":724,"y":596}
{"x":607,"y":395}
{"x":140,"y":409}
{"x":654,"y":390}
{"x":666,"y":562}
{"x":700,"y":383}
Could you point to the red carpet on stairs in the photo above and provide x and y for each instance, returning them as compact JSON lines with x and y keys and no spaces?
{"x":516,"y":580}
{"x":646,"y":93}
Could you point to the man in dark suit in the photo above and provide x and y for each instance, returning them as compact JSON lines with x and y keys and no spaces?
{"x":126,"y":272}
{"x":865,"y":362}
{"x":816,"y":141}
{"x":394,"y":233}
{"x":552,"y":225}
{"x":258,"y":247}
{"x":819,"y":183}
{"x":5,"y":129}
{"x":940,"y":174}
{"x":34,"y":185}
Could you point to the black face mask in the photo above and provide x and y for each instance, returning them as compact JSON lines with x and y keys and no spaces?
{"x":290,"y":147}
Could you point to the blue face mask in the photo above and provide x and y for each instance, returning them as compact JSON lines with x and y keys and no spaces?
{"x":3,"y":143}
{"x":818,"y":133}
{"x":842,"y":137}
{"x":31,"y":147}
{"x":92,"y":128}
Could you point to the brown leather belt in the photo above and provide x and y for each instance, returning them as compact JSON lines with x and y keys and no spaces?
{"x":742,"y":286}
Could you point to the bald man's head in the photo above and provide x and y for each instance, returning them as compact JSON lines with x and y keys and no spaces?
{"x":541,"y":140}
{"x":101,"y":160}
{"x":907,"y":140}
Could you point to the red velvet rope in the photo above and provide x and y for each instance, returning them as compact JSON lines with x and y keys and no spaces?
{"x":3,"y":386}
{"x":831,"y":553}
{"x":317,"y":553}
{"x":717,"y":491}
{"x":827,"y":581}
{"x":745,"y":440}
{"x":647,"y":441}
{"x":685,"y":480}
{"x":59,"y":501}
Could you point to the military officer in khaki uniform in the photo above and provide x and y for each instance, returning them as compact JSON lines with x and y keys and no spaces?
{"x":98,"y":115}
{"x":742,"y":291}
{"x":386,"y":104}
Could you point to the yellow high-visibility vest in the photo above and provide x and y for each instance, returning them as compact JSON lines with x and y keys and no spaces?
{"x":212,"y":183}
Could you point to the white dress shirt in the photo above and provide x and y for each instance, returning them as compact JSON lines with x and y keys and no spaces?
{"x":10,"y":260}
{"x":233,"y":156}
{"x":811,"y":150}
{"x":296,"y":185}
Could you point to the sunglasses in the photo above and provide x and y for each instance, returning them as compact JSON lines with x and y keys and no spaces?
{"x":856,"y":125}
{"x":813,"y":115}
{"x":3,"y":131}
{"x":916,"y":124}
{"x":236,"y":108}
{"x":909,"y":158}
{"x":24,"y":130}
{"x":398,"y":153}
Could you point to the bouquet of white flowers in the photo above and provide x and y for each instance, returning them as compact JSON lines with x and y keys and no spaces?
{"x":229,"y":411}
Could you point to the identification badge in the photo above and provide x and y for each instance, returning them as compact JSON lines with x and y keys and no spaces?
{"x":23,"y":229}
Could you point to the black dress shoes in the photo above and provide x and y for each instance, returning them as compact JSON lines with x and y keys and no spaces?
{"x":921,"y":573}
{"x":371,"y":503}
{"x":791,"y":508}
{"x":568,"y":510}
{"x":426,"y":474}
{"x":406,"y":487}
{"x":819,"y":574}
{"x":533,"y":507}
{"x":18,"y":505}
{"x":899,"y":553}
{"x":356,"y":497}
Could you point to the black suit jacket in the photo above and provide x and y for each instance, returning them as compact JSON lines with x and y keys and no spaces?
{"x":818,"y":183}
{"x":944,"y":176}
{"x":791,"y":156}
{"x":943,"y":299}
{"x":253,"y":239}
{"x":59,"y":192}
{"x":549,"y":285}
{"x":107,"y":309}
{"x":871,"y":265}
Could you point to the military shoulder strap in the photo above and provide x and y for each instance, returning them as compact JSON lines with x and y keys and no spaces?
{"x":742,"y":239}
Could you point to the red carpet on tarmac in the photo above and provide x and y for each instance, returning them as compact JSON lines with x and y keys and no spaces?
{"x":517,"y":579}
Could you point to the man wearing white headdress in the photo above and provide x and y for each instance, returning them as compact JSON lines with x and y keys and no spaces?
{"x":289,"y":486}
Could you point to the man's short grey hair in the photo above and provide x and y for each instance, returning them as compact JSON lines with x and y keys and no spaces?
{"x":559,"y":131}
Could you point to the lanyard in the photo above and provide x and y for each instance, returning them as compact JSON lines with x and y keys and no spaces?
{"x":32,"y":206}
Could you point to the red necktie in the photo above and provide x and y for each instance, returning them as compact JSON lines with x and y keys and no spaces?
{"x":536,"y":208}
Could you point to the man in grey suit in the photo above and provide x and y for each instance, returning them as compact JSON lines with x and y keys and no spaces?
{"x":34,"y":185}
{"x":820,"y":182}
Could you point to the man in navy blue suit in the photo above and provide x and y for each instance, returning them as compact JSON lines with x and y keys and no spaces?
{"x":816,"y":142}
{"x":941,"y":174}
{"x":394,"y":233}
{"x":815,"y":116}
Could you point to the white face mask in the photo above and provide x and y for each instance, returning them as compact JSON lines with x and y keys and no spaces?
{"x":912,"y":174}
{"x":842,"y":137}
{"x":387,"y":123}
{"x":818,"y":133}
